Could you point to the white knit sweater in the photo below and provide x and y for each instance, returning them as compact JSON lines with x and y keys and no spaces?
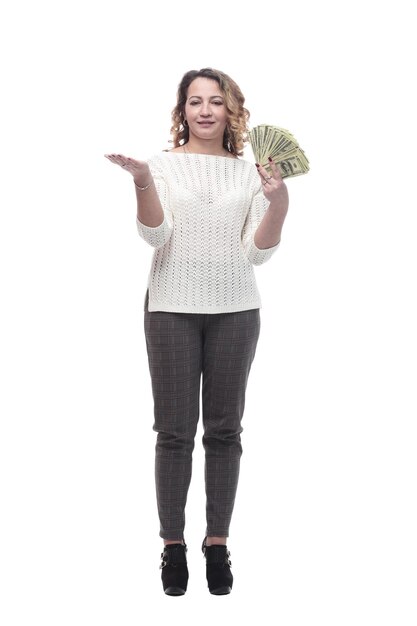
{"x":204,"y":249}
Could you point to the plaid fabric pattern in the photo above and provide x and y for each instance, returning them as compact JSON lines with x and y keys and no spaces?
{"x":181,"y":348}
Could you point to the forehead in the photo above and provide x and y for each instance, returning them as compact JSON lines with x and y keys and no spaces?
{"x":204,"y":87}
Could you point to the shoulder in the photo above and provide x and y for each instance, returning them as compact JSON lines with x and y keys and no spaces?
{"x":250,"y":176}
{"x":248,"y":170}
{"x":159,"y":160}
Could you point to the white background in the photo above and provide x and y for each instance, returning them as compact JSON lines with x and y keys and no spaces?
{"x":324,"y":524}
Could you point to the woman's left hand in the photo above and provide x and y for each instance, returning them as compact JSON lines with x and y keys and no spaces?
{"x":275,"y":190}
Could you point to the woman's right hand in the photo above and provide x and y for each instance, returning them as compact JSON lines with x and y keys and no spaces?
{"x":139,"y":169}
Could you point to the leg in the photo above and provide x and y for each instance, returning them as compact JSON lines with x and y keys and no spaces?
{"x":229,"y":348}
{"x":173,"y":342}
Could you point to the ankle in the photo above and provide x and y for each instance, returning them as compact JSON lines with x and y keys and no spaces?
{"x":218,"y":541}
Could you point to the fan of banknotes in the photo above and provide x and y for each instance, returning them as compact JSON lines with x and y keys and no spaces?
{"x":279,"y":144}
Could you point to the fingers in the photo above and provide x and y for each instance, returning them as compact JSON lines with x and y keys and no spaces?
{"x":276,"y":172}
{"x":267,"y":177}
{"x":138,"y":169}
{"x":261,"y":170}
{"x":263,"y":173}
{"x":118,"y":159}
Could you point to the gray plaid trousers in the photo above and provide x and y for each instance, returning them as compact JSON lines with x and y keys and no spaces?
{"x":181,"y":347}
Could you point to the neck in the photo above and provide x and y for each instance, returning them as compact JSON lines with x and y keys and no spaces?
{"x":213,"y":147}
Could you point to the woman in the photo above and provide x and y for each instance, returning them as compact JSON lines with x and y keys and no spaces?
{"x":211,"y":216}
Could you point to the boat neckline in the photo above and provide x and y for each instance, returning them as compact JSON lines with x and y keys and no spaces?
{"x":188,"y":154}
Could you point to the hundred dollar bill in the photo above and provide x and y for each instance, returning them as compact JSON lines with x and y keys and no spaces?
{"x":279,"y":144}
{"x":294,"y":165}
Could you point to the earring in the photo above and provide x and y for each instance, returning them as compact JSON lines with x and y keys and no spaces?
{"x":229,"y":142}
{"x":185,"y":123}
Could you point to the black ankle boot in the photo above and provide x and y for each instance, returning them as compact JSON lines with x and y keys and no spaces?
{"x":174,"y":569}
{"x":219,"y":576}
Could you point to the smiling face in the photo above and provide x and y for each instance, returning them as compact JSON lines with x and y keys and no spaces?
{"x":205,"y":110}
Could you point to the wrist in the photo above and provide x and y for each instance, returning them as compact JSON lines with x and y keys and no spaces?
{"x":143,"y":187}
{"x":143,"y":178}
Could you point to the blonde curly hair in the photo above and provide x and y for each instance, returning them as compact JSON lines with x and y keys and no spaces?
{"x":235,"y":134}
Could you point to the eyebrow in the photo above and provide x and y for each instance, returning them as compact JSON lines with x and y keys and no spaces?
{"x":211,"y":97}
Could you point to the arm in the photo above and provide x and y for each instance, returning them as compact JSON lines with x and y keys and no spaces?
{"x":263,"y":226}
{"x":268,"y":233}
{"x":254,"y":234}
{"x":153,"y":217}
{"x":149,"y":209}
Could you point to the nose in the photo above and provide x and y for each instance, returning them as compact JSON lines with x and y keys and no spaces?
{"x":205,"y":110}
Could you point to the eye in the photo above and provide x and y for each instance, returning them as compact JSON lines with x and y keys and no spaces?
{"x":218,"y":102}
{"x":194,"y":102}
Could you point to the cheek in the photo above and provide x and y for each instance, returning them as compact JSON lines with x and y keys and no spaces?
{"x":224,"y":117}
{"x":189,"y":111}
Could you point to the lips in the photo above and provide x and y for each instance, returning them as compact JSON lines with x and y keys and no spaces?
{"x":205,"y":123}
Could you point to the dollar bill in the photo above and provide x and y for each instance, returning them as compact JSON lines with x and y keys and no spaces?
{"x":278,"y":143}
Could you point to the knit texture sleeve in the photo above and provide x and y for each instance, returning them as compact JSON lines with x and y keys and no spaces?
{"x":158,"y":236}
{"x":257,"y":210}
